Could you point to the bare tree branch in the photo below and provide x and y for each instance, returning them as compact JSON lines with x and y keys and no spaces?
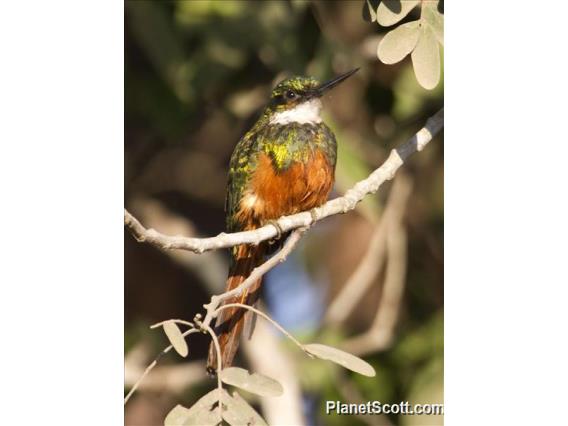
{"x":267,"y":318}
{"x":338,"y":205}
{"x":379,"y":335}
{"x":170,"y":378}
{"x":372,"y":262}
{"x":210,"y":267}
{"x":257,"y":273}
{"x":153,"y":364}
{"x":212,"y":309}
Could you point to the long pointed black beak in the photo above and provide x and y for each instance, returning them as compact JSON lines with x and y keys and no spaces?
{"x":324,"y":87}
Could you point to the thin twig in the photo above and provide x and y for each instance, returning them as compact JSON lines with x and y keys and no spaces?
{"x":219,"y":368}
{"x":298,"y":222}
{"x":212,"y":307}
{"x":153,"y":364}
{"x":257,"y":273}
{"x":267,"y":318}
{"x":209,"y":267}
{"x":338,"y":205}
{"x":166,"y":378}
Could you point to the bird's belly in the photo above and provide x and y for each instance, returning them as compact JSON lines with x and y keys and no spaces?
{"x":272,"y":194}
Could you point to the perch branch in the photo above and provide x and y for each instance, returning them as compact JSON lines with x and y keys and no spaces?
{"x":212,"y":309}
{"x":338,"y":205}
{"x":257,"y":273}
{"x":210,"y":267}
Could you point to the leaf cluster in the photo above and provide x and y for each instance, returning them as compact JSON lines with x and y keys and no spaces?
{"x":218,"y":405}
{"x":420,"y":38}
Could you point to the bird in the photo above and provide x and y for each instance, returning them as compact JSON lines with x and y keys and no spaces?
{"x":283,"y":165}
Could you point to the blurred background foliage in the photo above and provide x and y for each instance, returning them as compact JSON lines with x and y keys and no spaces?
{"x":196,"y":75}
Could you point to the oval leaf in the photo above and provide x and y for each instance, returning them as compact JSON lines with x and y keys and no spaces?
{"x":239,"y":412}
{"x":342,"y":358}
{"x":426,"y":59}
{"x":196,"y":415}
{"x":398,"y":43}
{"x":254,"y":383}
{"x":176,"y":338}
{"x":435,"y":19}
{"x":390,"y":12}
{"x":202,"y":413}
{"x":177,"y":416}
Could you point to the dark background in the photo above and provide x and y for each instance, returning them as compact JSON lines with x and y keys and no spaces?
{"x":196,"y":74}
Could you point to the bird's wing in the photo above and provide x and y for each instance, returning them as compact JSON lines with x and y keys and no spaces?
{"x":242,"y":166}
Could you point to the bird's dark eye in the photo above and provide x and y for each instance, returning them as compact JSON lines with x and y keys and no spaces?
{"x":290,"y":94}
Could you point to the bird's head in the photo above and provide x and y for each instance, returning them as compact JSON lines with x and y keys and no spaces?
{"x":298,"y":99}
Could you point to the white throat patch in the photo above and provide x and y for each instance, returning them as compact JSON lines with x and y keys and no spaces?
{"x":306,"y":112}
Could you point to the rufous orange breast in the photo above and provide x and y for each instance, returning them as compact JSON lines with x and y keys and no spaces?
{"x":302,"y":186}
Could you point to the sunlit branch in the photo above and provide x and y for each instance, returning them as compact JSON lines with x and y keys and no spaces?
{"x":338,"y":205}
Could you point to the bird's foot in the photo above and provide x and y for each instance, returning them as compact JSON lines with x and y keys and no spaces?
{"x":314,"y":214}
{"x":211,"y":372}
{"x":279,"y":231}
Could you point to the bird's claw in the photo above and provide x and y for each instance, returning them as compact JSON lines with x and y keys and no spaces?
{"x":314,"y":214}
{"x":279,"y":231}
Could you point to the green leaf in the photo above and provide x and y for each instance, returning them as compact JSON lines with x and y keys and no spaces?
{"x":435,"y":19}
{"x":202,"y":413}
{"x":426,"y":59}
{"x":392,"y":11}
{"x":427,"y":387}
{"x":398,"y":43}
{"x":151,"y":28}
{"x":342,"y":358}
{"x":352,"y":168}
{"x":239,"y":412}
{"x":254,"y":383}
{"x":176,"y":338}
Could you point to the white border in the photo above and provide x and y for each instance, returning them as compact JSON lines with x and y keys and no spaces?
{"x":61,"y":174}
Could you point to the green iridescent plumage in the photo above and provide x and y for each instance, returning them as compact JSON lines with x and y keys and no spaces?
{"x":283,"y":143}
{"x":284,"y":164}
{"x":299,"y":85}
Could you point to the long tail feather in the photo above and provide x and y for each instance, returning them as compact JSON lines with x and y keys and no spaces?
{"x":230,"y":322}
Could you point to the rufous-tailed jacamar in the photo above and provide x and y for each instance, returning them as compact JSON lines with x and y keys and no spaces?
{"x":283,"y":165}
